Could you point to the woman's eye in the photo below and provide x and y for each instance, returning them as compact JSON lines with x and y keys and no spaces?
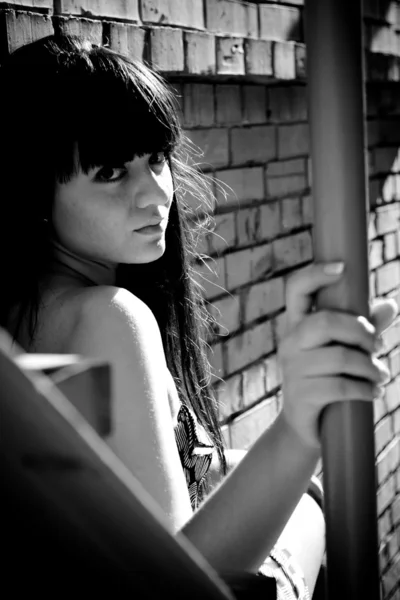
{"x":105,"y":175}
{"x":158,"y":158}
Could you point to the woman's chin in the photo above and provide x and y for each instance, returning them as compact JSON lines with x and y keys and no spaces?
{"x":149,"y":254}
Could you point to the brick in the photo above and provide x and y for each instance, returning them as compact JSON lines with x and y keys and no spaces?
{"x":392,"y":546}
{"x":173,"y":12}
{"x":210,"y":275}
{"x":261,"y":261}
{"x":293,"y":140}
{"x":292,"y":251}
{"x":307,"y":210}
{"x":394,"y":362}
{"x":253,"y":144}
{"x":381,"y":39}
{"x":258,"y":57}
{"x":41,"y":25}
{"x":248,"y":224}
{"x":386,"y":494}
{"x":230,"y":56}
{"x":127,"y":39}
{"x":245,"y":185}
{"x":238,"y":268}
{"x":280,"y":22}
{"x":100,"y":8}
{"x":388,"y":460}
{"x":380,"y":410}
{"x":16,"y":30}
{"x":287,"y":104}
{"x":390,"y":247}
{"x":389,"y":188}
{"x":223,"y":236}
{"x":285,"y":178}
{"x":387,"y":218}
{"x":371,"y":226}
{"x":383,"y":434}
{"x":279,"y":324}
{"x":166,"y":49}
{"x":396,"y":422}
{"x":214,"y":144}
{"x":391,"y":336}
{"x":254,"y":104}
{"x":263,"y":299}
{"x":228,"y":104}
{"x":388,"y":277}
{"x":249,"y":346}
{"x":291,"y":214}
{"x":215,"y":357}
{"x":198,"y":105}
{"x":283,"y":60}
{"x":273,"y":375}
{"x":284,"y":168}
{"x":270,"y":220}
{"x":372,"y":285}
{"x":229,"y":396}
{"x":199,"y":51}
{"x":300,"y":60}
{"x":85,"y":28}
{"x":234,"y":18}
{"x":247,"y":428}
{"x":395,"y":510}
{"x":391,"y":577}
{"x":375,"y":254}
{"x":384,"y":525}
{"x":253,"y":384}
{"x":32,"y":3}
{"x":227,"y":313}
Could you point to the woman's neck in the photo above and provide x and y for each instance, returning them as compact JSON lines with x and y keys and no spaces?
{"x":84,"y":270}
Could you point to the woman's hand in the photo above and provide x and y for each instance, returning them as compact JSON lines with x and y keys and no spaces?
{"x":327,"y":356}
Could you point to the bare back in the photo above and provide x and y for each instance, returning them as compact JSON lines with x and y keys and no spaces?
{"x":111,"y":324}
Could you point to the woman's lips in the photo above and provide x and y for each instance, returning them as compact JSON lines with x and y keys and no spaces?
{"x":151,"y":229}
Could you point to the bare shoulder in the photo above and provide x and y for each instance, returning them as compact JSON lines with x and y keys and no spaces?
{"x":115,"y":310}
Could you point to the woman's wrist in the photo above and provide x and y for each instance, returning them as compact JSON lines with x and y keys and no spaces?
{"x":287,"y":429}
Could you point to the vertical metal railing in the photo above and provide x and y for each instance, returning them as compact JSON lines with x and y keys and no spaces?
{"x":337,"y":120}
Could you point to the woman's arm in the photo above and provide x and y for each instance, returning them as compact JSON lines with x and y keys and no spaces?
{"x":238,"y":524}
{"x":236,"y":527}
{"x":304,"y":532}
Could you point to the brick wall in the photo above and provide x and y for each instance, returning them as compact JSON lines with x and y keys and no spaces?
{"x":240,"y":72}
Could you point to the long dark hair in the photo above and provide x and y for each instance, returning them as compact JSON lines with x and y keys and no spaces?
{"x":60,"y":91}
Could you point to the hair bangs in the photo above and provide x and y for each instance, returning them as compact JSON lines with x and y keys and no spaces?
{"x":126,"y":111}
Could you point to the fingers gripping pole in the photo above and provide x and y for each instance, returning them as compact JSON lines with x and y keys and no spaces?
{"x":336,"y":109}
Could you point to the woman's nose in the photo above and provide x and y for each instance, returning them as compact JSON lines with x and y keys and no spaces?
{"x":152,"y":189}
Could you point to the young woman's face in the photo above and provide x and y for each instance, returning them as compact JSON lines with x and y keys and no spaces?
{"x":101,"y":215}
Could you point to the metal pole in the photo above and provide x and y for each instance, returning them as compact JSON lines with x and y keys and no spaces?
{"x":336,"y":111}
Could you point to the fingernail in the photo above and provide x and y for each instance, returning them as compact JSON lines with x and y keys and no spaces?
{"x":334,"y":268}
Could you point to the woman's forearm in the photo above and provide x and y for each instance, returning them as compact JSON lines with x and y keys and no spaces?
{"x":237,"y":526}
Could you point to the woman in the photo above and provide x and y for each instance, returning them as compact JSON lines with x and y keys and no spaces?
{"x":94,"y":189}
